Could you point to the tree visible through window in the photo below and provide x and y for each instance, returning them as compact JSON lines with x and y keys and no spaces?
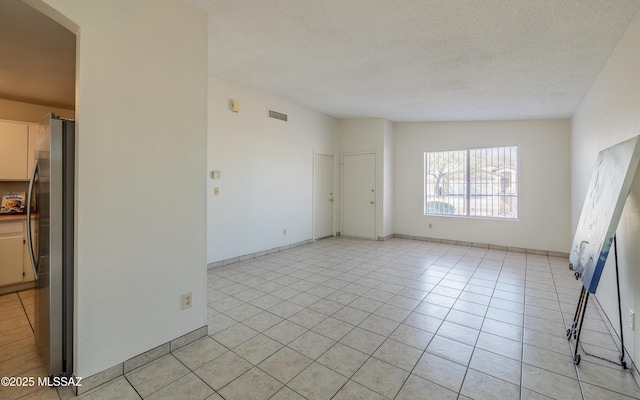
{"x":474,"y":182}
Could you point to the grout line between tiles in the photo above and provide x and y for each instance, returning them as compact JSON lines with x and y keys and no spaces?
{"x":317,"y":267}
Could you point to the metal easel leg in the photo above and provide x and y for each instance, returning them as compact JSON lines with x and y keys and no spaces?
{"x":576,"y":335}
{"x":622,"y":361}
{"x":572,"y":331}
{"x":578,"y":320}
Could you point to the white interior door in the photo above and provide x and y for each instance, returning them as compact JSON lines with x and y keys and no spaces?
{"x":323,"y":196}
{"x":359,"y":195}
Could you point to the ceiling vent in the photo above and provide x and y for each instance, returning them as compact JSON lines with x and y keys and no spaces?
{"x":277,"y":115}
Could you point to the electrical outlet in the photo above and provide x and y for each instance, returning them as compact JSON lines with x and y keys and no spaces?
{"x":632,"y":320}
{"x":216,"y":191}
{"x":186,"y":300}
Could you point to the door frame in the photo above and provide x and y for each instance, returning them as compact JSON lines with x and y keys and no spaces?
{"x":375,"y":182}
{"x":71,"y":322}
{"x":313,"y":194}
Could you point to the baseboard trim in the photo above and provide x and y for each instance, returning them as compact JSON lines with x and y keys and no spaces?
{"x":250,"y":256}
{"x":100,"y":378}
{"x":383,"y":238}
{"x":484,"y":245}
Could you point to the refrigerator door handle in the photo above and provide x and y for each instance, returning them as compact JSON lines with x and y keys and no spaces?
{"x":29,"y":233}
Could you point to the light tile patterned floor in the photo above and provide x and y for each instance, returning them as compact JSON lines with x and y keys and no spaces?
{"x":401,"y":319}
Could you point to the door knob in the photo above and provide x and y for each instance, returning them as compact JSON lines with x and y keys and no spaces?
{"x":372,"y":202}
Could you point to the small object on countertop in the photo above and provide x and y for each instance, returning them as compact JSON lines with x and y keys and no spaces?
{"x":12,"y":203}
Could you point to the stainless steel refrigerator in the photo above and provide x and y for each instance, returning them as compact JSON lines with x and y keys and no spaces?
{"x":50,"y":234}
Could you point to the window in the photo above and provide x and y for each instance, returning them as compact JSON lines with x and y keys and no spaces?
{"x":472,"y":182}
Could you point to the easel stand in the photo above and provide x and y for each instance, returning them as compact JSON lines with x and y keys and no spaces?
{"x":581,"y":309}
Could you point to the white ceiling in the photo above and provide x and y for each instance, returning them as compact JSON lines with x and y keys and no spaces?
{"x":404,"y":60}
{"x":37,"y":57}
{"x":418,"y":60}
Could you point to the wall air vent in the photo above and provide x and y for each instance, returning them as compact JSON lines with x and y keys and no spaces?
{"x":277,"y":115}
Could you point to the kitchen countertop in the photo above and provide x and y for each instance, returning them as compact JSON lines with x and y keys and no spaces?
{"x":13,"y":217}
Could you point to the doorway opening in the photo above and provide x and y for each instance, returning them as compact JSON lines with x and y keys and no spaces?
{"x":38,"y":71}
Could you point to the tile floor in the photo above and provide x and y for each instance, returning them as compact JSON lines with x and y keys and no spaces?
{"x":18,"y":354}
{"x":401,"y":319}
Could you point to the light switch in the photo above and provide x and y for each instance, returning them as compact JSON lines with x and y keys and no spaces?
{"x":216,"y":191}
{"x":215,"y":174}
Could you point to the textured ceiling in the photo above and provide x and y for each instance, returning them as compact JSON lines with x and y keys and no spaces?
{"x":37,"y":57}
{"x":404,"y":60}
{"x":418,"y":60}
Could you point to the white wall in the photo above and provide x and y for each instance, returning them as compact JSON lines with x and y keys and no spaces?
{"x":266,"y":167}
{"x":141,"y":170}
{"x":544,"y":182}
{"x":609,"y":114}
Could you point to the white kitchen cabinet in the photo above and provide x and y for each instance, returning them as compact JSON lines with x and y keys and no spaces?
{"x":14,"y":147}
{"x":11,"y":252}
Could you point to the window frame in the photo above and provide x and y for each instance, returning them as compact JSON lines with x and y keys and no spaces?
{"x":468,"y":183}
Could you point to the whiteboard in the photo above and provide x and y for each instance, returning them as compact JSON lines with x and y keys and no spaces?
{"x":607,"y":193}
